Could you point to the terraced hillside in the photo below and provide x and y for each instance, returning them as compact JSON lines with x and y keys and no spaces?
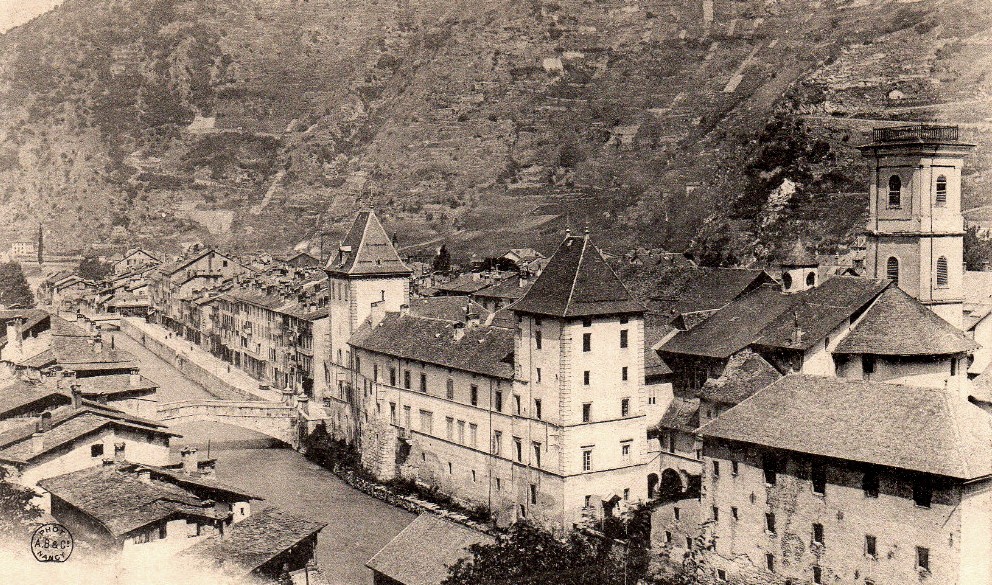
{"x":269,"y":121}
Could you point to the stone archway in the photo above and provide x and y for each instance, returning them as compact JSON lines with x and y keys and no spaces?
{"x":652,"y":485}
{"x":671,"y":486}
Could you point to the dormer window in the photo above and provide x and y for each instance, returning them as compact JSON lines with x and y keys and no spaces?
{"x":895,"y":192}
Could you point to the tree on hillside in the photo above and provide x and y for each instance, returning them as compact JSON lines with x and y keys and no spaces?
{"x":527,"y":555}
{"x":92,"y":268}
{"x":14,"y":289}
{"x":977,"y":249}
{"x":442,"y":262}
{"x":16,"y":508}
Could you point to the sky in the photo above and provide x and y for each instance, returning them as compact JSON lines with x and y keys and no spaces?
{"x":15,"y":12}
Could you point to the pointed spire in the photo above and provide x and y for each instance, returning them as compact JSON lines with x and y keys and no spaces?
{"x":798,"y":256}
{"x":578,"y":282}
{"x":367,"y":250}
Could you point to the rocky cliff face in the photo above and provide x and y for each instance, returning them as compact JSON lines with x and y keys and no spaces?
{"x":259,"y":123}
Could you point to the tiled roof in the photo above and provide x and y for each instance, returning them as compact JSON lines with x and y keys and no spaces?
{"x":19,"y":395}
{"x":446,"y":308}
{"x":768,"y":317}
{"x":68,"y":425}
{"x":745,"y":373}
{"x":113,"y":384}
{"x":732,"y":328}
{"x":464,"y":284}
{"x":367,"y":250}
{"x":919,"y":429}
{"x":695,"y":290}
{"x":276,"y":304}
{"x":251,"y":543}
{"x":482,"y":350}
{"x":577,"y":282}
{"x":120,"y":501}
{"x":653,"y":364}
{"x":422,"y":553}
{"x":196,"y":483}
{"x":820,"y":310}
{"x":682,"y":415}
{"x":509,"y":288}
{"x":898,"y":324}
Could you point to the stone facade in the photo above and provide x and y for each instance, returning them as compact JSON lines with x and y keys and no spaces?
{"x":829,"y":533}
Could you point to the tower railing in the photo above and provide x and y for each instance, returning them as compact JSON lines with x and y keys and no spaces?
{"x":926,"y":132}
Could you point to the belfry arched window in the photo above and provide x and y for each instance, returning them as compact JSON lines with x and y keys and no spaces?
{"x":941,"y":187}
{"x":942,"y":271}
{"x":892,"y":270}
{"x":895,"y":192}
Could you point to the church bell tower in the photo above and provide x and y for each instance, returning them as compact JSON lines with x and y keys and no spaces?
{"x":915,"y":226}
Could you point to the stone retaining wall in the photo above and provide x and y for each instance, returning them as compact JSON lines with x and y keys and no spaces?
{"x":211,"y":383}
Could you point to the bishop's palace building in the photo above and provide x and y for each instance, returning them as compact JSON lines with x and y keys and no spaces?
{"x":813,"y":428}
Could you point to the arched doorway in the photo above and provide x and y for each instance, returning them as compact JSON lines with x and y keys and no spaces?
{"x":652,"y":485}
{"x":671,"y":487}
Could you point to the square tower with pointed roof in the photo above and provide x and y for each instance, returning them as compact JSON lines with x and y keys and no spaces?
{"x":366,"y":270}
{"x":579,"y":354}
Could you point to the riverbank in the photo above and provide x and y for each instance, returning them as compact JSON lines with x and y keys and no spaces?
{"x":220,"y":378}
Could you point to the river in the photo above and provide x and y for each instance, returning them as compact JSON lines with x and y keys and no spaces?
{"x":357,"y":525}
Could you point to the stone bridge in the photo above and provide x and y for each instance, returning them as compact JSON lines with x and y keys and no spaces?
{"x":277,"y":420}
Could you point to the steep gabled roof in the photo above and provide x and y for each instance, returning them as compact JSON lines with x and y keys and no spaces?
{"x":482,"y":350}
{"x":768,"y":317}
{"x":920,"y":429}
{"x":367,"y":250}
{"x":745,"y":374}
{"x":897,"y":324}
{"x":422,"y":553}
{"x":577,"y":282}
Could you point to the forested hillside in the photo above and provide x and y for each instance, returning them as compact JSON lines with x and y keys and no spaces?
{"x":725,"y":126}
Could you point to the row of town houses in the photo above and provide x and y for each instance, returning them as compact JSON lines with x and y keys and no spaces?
{"x":811,"y":425}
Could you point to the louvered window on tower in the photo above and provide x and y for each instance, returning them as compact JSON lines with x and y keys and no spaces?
{"x":895,"y":192}
{"x":892,"y":270}
{"x":941,"y":198}
{"x":942,"y":271}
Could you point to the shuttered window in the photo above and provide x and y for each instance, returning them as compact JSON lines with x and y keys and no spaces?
{"x":892,"y":270}
{"x":942,"y":271}
{"x":941,"y":191}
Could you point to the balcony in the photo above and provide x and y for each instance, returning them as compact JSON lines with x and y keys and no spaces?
{"x":916,"y":133}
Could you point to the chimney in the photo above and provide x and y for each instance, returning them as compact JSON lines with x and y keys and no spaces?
{"x":14,"y":341}
{"x":459,"y":331}
{"x":378,"y":313}
{"x":77,"y":395}
{"x":404,"y":310}
{"x":134,"y":379}
{"x":145,"y":475}
{"x":287,"y":397}
{"x":45,"y":424}
{"x":189,"y":460}
{"x":209,"y":469}
{"x":97,"y":343}
{"x":37,"y":441}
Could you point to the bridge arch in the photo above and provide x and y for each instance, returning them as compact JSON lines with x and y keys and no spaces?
{"x":273,"y":419}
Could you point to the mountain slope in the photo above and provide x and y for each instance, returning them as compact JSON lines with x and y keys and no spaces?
{"x":259,"y":123}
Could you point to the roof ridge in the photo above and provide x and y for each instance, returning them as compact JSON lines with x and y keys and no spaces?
{"x":578,"y":268}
